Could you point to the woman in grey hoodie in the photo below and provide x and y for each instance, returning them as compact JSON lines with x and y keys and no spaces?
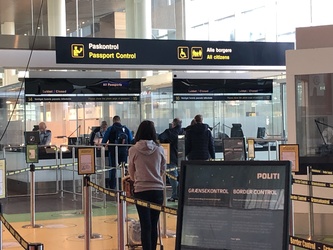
{"x":146,"y":168}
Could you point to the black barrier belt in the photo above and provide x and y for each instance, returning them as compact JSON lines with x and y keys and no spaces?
{"x":308,"y":244}
{"x":319,"y":171}
{"x":313,"y":183}
{"x":13,"y":232}
{"x":317,"y":200}
{"x":133,"y":200}
{"x":8,"y":173}
{"x":171,"y":176}
{"x":172,"y":169}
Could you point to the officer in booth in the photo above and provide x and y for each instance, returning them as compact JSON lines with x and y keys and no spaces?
{"x":45,"y":135}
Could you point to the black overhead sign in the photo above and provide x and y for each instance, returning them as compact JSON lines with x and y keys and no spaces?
{"x":78,"y":50}
{"x":222,"y":89}
{"x":82,"y":90}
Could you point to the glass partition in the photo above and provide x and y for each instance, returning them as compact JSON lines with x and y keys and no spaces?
{"x":159,"y":106}
{"x":314,"y":119}
{"x":76,"y":119}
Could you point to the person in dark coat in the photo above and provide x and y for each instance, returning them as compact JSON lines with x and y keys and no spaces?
{"x":110,"y":137}
{"x":171,"y":136}
{"x":199,"y":142}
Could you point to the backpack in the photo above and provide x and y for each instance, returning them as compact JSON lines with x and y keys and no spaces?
{"x":121,"y":136}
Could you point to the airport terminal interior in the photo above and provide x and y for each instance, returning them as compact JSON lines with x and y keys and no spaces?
{"x":275,"y":90}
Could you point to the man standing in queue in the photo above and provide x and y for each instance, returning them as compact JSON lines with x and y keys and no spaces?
{"x":171,"y":136}
{"x":116,"y":134}
{"x":199,"y":142}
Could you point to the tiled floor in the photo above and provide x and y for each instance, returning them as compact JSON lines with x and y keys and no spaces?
{"x":62,"y":223}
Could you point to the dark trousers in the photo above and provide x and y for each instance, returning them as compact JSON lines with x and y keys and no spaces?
{"x":122,"y":157}
{"x":149,"y":218}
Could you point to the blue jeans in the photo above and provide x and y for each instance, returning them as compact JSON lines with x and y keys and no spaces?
{"x":172,"y":181}
{"x":149,"y":218}
{"x":122,"y":157}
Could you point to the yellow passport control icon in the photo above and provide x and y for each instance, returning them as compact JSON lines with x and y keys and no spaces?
{"x":77,"y":50}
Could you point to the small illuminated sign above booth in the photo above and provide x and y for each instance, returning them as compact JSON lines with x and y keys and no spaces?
{"x":222,"y":89}
{"x":79,"y":50}
{"x":81,"y":90}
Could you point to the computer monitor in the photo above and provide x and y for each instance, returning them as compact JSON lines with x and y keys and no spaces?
{"x":32,"y":137}
{"x":95,"y":128}
{"x":74,"y":141}
{"x":261,"y":132}
{"x":236,"y":130}
{"x":234,"y":149}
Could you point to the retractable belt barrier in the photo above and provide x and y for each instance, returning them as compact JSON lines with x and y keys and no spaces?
{"x":9,"y":173}
{"x":312,"y":199}
{"x":313,"y":183}
{"x":307,"y":243}
{"x":38,"y":168}
{"x":133,"y":200}
{"x":170,"y":175}
{"x":26,"y":245}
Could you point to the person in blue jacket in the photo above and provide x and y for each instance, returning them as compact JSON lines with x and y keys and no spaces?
{"x":117,"y":134}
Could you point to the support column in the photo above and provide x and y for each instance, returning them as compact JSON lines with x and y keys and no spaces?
{"x":139,"y":25}
{"x":138,"y":19}
{"x":180,"y":19}
{"x":56,"y":16}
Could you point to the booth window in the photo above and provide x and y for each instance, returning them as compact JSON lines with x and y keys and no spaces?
{"x":314,"y":114}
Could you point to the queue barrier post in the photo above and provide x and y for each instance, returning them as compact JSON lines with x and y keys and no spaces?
{"x":1,"y":237}
{"x":163,"y":215}
{"x":121,"y":220}
{"x":32,"y":199}
{"x":35,"y":246}
{"x":61,"y":174}
{"x":103,"y":172}
{"x":87,"y":212}
{"x":73,"y":183}
{"x":310,"y":189}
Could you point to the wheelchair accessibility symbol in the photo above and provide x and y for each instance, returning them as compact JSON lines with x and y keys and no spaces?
{"x":183,"y":53}
{"x":77,"y":50}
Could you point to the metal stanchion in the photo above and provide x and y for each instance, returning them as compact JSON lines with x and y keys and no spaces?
{"x":121,"y":221}
{"x":57,"y":173}
{"x":269,"y":150}
{"x":35,"y":246}
{"x":103,"y":173}
{"x":311,"y":220}
{"x":74,"y":187}
{"x":61,"y":176}
{"x":1,"y":237}
{"x":277,"y":150}
{"x":32,"y":199}
{"x":163,"y":215}
{"x":117,"y":168}
{"x":87,"y":213}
